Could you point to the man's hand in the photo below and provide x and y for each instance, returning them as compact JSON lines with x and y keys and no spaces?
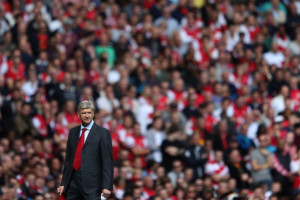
{"x":265,"y":152}
{"x":106,"y":193}
{"x":60,"y":190}
{"x":173,"y":151}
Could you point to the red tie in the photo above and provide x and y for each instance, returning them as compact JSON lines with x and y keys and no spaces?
{"x":77,"y":157}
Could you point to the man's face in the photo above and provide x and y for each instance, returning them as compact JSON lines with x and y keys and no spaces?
{"x":26,"y":110}
{"x":136,"y":129}
{"x":263,"y":140}
{"x":177,"y":166}
{"x":218,"y":156}
{"x":86,"y":115}
{"x":16,"y":57}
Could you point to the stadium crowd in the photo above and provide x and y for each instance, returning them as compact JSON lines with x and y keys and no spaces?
{"x":201,"y":97}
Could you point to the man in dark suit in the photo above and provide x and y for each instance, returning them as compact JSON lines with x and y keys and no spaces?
{"x":88,"y":169}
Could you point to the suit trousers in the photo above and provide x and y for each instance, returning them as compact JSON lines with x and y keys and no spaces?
{"x":75,"y":189}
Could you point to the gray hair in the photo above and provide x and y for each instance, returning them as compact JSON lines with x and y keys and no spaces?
{"x":85,"y":105}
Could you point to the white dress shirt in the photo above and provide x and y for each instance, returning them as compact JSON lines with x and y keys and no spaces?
{"x":87,"y":131}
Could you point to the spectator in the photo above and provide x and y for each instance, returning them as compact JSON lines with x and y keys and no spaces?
{"x":156,"y":9}
{"x":293,"y":16}
{"x":148,"y":190}
{"x":166,"y":20}
{"x":16,"y":68}
{"x":176,"y":172}
{"x":224,"y":191}
{"x":190,"y":110}
{"x":69,"y":117}
{"x":191,"y":192}
{"x":281,"y":38}
{"x":277,"y":9}
{"x":217,"y":169}
{"x":274,"y":57}
{"x":105,"y":51}
{"x":65,"y":90}
{"x":137,"y":144}
{"x":23,"y":126}
{"x":172,"y":148}
{"x":41,"y":121}
{"x":222,"y":136}
{"x":155,"y":136}
{"x":31,"y":85}
{"x":236,"y":166}
{"x":281,"y":165}
{"x":261,"y":162}
{"x":278,"y":102}
{"x":107,"y":102}
{"x":195,"y":156}
{"x":245,"y":143}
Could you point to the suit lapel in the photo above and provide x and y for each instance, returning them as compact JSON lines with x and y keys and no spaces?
{"x":90,"y":136}
{"x":76,"y":136}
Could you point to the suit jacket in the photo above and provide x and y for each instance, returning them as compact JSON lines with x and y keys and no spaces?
{"x":96,"y":160}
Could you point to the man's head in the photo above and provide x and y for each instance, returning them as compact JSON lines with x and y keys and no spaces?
{"x":26,"y":109}
{"x":218,"y":155}
{"x":85,"y":111}
{"x":234,"y":156}
{"x":148,"y":182}
{"x":194,"y":140}
{"x":284,"y":91}
{"x":281,"y":144}
{"x":16,"y":57}
{"x":223,"y":187}
{"x":189,"y":174}
{"x":136,"y":129}
{"x":263,"y":140}
{"x":177,"y":166}
{"x":69,"y":106}
{"x":274,"y":47}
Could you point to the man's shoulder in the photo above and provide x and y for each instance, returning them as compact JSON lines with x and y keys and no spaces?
{"x":18,"y":117}
{"x":255,"y":152}
{"x":99,"y":128}
{"x":76,"y":128}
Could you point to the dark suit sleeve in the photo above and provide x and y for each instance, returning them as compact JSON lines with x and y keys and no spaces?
{"x":107,"y":161}
{"x":67,"y":160}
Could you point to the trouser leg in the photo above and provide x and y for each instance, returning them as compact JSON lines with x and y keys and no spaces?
{"x":74,"y":191}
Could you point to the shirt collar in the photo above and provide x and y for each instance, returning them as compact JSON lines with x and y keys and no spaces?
{"x":88,"y":127}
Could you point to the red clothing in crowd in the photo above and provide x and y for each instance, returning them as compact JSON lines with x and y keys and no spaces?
{"x":240,"y":114}
{"x":210,"y":121}
{"x":15,"y":74}
{"x":148,"y":4}
{"x":71,"y":118}
{"x":40,"y":124}
{"x":295,"y":97}
{"x":43,"y":41}
{"x":137,"y":141}
{"x":115,"y":145}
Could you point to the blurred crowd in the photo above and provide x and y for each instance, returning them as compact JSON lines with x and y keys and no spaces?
{"x":201,"y":97}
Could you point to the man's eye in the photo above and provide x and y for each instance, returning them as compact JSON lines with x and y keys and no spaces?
{"x":84,"y":113}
